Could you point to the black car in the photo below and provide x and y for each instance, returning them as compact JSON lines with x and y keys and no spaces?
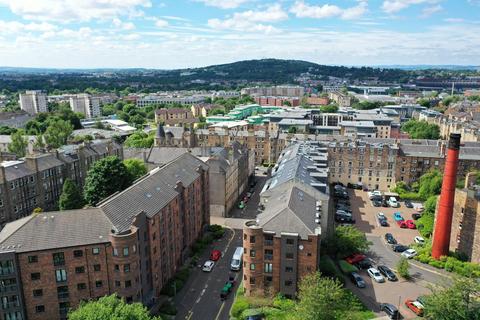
{"x":343,"y":202}
{"x":390,"y":239}
{"x":377,"y":203}
{"x":357,"y":280}
{"x":385,"y":203}
{"x":387,"y":273}
{"x":399,"y":247}
{"x":364,"y":264}
{"x":408,"y":204}
{"x":343,"y":207}
{"x":383,"y":222}
{"x":390,"y":310}
{"x":344,"y":219}
{"x":416,"y":216}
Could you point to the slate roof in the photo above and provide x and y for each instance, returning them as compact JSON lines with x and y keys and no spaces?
{"x":57,"y":229}
{"x":290,"y":209}
{"x":151,"y":193}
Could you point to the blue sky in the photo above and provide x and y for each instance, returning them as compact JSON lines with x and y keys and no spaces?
{"x":189,"y":33}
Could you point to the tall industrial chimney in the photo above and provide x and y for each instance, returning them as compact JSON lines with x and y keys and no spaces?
{"x":443,"y":220}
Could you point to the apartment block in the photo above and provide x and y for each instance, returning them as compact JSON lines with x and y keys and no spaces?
{"x":131,"y":244}
{"x":277,"y":101}
{"x":86,"y":104}
{"x":33,"y":101}
{"x":282,"y":91}
{"x":175,"y":116}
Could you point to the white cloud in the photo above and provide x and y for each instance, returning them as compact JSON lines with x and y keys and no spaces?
{"x":223,"y":4}
{"x":175,"y":18}
{"x":123,"y":25}
{"x":393,"y":6}
{"x":428,"y":11}
{"x":454,"y":20}
{"x":74,"y":10}
{"x":303,"y":10}
{"x":161,"y":23}
{"x":251,"y":21}
{"x":14,"y":27}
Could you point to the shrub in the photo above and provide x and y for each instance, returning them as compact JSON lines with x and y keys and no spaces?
{"x":239,"y":306}
{"x":346,"y":267}
{"x":282,"y":303}
{"x":215,"y":227}
{"x":218,"y":234}
{"x":437,"y":263}
{"x":403,"y":268}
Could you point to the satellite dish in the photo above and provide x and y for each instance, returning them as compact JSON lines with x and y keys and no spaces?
{"x":300,"y":247}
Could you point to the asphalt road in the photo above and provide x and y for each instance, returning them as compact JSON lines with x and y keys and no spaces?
{"x":200,"y":297}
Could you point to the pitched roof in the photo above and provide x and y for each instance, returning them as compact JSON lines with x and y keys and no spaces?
{"x":151,"y":193}
{"x":57,"y":229}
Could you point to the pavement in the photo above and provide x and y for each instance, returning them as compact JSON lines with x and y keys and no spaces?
{"x":381,"y":253}
{"x":199,"y":299}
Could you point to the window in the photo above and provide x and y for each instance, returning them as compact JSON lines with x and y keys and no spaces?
{"x":39,"y":309}
{"x":32,"y":259}
{"x":98,"y":283}
{"x":252,"y":253}
{"x":289,"y":255}
{"x":95,"y":251}
{"x":288,"y":283}
{"x":290,"y":241}
{"x":288,"y":269}
{"x":35,"y":276}
{"x":115,"y":252}
{"x":116,"y":267}
{"x":268,"y":268}
{"x":268,"y":239}
{"x":58,"y":259}
{"x":37,"y":292}
{"x":80,"y":269}
{"x":61,"y":275}
{"x":78,"y":253}
{"x":126,"y":268}
{"x":96,"y":267}
{"x":268,"y":255}
{"x":252,"y":266}
{"x":62,"y":292}
{"x":81,"y":286}
{"x":128,"y":284}
{"x":117,"y":283}
{"x":252,"y":280}
{"x":125,"y":252}
{"x":252,"y":239}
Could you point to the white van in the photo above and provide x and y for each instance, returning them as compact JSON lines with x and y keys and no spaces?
{"x":392,"y":202}
{"x":236,"y":263}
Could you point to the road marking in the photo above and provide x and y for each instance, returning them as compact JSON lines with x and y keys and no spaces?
{"x":203,"y":291}
{"x":189,"y":315}
{"x":220,"y":311}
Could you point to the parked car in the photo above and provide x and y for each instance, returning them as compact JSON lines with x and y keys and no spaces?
{"x":390,"y":239}
{"x":383,"y":222}
{"x":384,"y":203}
{"x":377,"y":203}
{"x":344,"y":202}
{"x":415,"y":306}
{"x":208,"y":266}
{"x":215,"y":255}
{"x":399,"y":248}
{"x":398,"y":216}
{"x":392,"y":202}
{"x":354,"y":258}
{"x":387,"y":272}
{"x":416,"y":216}
{"x":375,"y":275}
{"x":343,"y":207}
{"x":375,"y":194}
{"x":364,"y":264}
{"x":227,"y":288}
{"x":419,"y":240}
{"x":390,"y":310}
{"x":249,"y":194}
{"x":419,"y":207}
{"x":402,"y":224}
{"x":409,"y":253}
{"x":343,"y":213}
{"x":408,"y":204}
{"x":357,"y":280}
{"x":338,"y":187}
{"x":410,"y":224}
{"x":344,"y":219}
{"x":256,"y":316}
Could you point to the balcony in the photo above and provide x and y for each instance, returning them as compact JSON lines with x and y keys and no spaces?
{"x":10,"y":288}
{"x":268,"y":242}
{"x":63,"y":295}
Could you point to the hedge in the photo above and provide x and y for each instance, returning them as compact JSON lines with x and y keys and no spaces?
{"x":346,"y":267}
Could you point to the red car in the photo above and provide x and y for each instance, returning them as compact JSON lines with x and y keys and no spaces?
{"x":402,"y":224}
{"x":215,"y":255}
{"x":411,"y":224}
{"x":415,"y":306}
{"x":354,"y":258}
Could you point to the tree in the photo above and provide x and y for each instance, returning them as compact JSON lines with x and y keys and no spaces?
{"x":403,"y":268}
{"x":332,"y":108}
{"x":430,"y":184}
{"x":346,"y":241}
{"x":104,"y":178}
{"x":57,"y":133}
{"x":322,"y":298}
{"x":139,"y":139}
{"x":292,"y":129}
{"x":19,"y":143}
{"x":71,"y":197}
{"x":136,"y":168}
{"x":110,"y":307}
{"x":421,"y":130}
{"x":287,"y":103}
{"x":459,"y":301}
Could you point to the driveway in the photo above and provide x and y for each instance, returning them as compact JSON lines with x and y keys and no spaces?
{"x":251,"y":207}
{"x":199,"y":299}
{"x":381,"y":253}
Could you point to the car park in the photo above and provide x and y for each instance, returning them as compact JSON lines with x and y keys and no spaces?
{"x":390,"y":239}
{"x":415,"y":306}
{"x":215,"y":255}
{"x":410,"y":224}
{"x":357,"y":280}
{"x":408,"y":204}
{"x":419,"y":240}
{"x":208,"y":266}
{"x":392,"y":202}
{"x":375,"y":275}
{"x":399,"y":248}
{"x":398,"y":216}
{"x":409,"y":253}
{"x":387,"y":272}
{"x":390,"y":310}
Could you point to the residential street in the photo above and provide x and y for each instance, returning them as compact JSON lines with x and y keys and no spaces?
{"x":200,"y":297}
